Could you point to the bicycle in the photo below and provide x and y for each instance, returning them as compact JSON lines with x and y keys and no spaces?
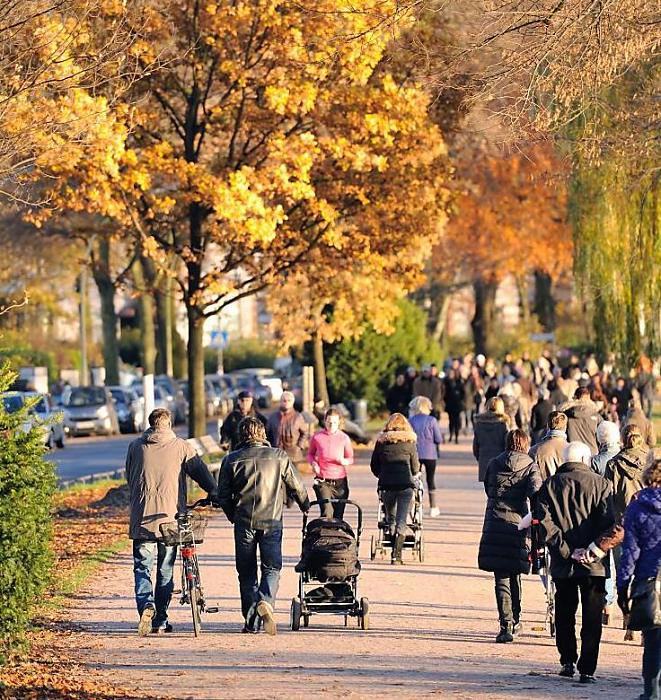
{"x":187,"y":531}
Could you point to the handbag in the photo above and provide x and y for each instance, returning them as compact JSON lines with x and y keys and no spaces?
{"x":645,"y":604}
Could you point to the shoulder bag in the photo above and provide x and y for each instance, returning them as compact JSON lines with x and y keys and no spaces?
{"x":645,"y":605}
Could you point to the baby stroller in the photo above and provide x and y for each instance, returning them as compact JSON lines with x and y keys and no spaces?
{"x":329,"y":570}
{"x":383,"y":540}
{"x":541,"y":564}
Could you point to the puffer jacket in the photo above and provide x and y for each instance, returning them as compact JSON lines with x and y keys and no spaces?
{"x":512,"y":480}
{"x":157,"y":464}
{"x":575,"y":506}
{"x":582,"y":421}
{"x":641,"y":549}
{"x":429,"y":435}
{"x":395,"y":459}
{"x":489,"y":438}
{"x":252,"y":485}
{"x":625,"y":472}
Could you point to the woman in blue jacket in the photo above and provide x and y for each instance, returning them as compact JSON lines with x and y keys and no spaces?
{"x":429,"y":437}
{"x":641,"y":554}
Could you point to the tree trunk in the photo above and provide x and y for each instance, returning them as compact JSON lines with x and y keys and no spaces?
{"x":146,"y":307}
{"x":197,"y":425}
{"x":320,"y":385}
{"x":544,"y":304}
{"x":524,"y":306}
{"x":485,"y":310}
{"x":164,"y":361}
{"x":441,"y":317}
{"x":106,"y":287}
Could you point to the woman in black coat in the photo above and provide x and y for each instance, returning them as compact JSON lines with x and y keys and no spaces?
{"x":511,"y":481}
{"x":395,"y":463}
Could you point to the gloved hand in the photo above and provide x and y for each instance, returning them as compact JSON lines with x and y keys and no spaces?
{"x":305,"y":508}
{"x":623,"y":600}
{"x":213,"y":500}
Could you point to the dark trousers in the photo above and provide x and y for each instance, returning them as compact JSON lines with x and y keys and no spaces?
{"x":592,"y":590}
{"x":246,"y":543}
{"x":508,"y":597}
{"x":652,"y":663}
{"x":430,"y":473}
{"x":454,"y":419}
{"x":331,"y":488}
{"x":397,"y":505}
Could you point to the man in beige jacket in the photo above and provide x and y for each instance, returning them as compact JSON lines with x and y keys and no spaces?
{"x":157,"y":464}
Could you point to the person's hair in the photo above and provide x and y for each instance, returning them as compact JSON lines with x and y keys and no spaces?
{"x":581,"y":393}
{"x":420,"y":405}
{"x":160,"y":418}
{"x":397,"y":422}
{"x":332,"y":412}
{"x":287,"y":395}
{"x":652,"y":474}
{"x":251,"y":429}
{"x":496,"y":405}
{"x":577,"y":452}
{"x":557,"y":420}
{"x":632,"y":437}
{"x":607,"y":433}
{"x":517,"y":441}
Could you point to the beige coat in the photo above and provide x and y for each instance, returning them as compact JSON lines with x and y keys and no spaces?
{"x":157,"y":464}
{"x":549,"y":455}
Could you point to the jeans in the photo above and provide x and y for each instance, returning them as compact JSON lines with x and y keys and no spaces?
{"x":508,"y":597}
{"x":331,"y":488}
{"x":397,"y":505}
{"x":592,"y":590}
{"x":651,"y":663}
{"x":246,"y":543}
{"x":143,"y":562}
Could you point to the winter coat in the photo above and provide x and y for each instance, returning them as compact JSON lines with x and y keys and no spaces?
{"x":454,"y":396}
{"x":625,"y":472}
{"x":549,"y":453}
{"x":157,"y":464}
{"x":603,"y":457}
{"x":398,"y":398}
{"x":294,"y":438}
{"x":512,"y":479}
{"x":513,"y":410}
{"x":432,"y":388}
{"x":574,"y":506}
{"x":637,"y":417}
{"x":641,"y":549}
{"x":429,"y":435}
{"x":539,"y":418}
{"x":229,"y":431}
{"x":253,"y":482}
{"x":582,"y":421}
{"x":395,"y":459}
{"x":489,"y":437}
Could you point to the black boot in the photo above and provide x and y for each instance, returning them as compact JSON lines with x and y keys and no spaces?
{"x":505,"y":635}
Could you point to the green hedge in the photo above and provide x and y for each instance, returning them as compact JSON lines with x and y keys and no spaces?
{"x":27,"y":483}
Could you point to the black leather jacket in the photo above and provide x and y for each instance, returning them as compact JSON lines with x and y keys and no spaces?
{"x":252,"y":483}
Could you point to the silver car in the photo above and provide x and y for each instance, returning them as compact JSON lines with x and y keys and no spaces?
{"x":50,"y":419}
{"x":90,"y":410}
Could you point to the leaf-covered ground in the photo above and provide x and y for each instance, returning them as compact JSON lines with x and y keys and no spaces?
{"x":87,"y":523}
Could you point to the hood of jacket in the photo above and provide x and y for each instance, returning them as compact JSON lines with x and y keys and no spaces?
{"x":491,"y":417}
{"x":631,"y":461}
{"x":514,"y":461}
{"x":158,"y":437}
{"x":650,"y":499}
{"x":397,"y":436}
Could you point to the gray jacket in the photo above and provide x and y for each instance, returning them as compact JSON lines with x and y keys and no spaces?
{"x":157,"y":464}
{"x":252,"y":484}
{"x":549,"y":453}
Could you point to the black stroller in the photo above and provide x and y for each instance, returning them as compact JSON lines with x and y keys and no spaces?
{"x":415,"y":540}
{"x":329,"y":570}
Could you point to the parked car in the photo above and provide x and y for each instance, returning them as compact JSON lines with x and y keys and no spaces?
{"x":91,"y":410}
{"x":160,"y":397}
{"x":269,"y":378}
{"x":223,"y":392}
{"x":130,"y":409}
{"x":50,"y":418}
{"x":13,"y":401}
{"x":175,"y":397}
{"x":249,"y":382}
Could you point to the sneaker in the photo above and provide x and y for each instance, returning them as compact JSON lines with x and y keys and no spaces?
{"x":144,"y":626}
{"x":434,"y":512}
{"x":162,"y":629}
{"x":265,"y":612}
{"x":517,"y":629}
{"x":567,"y":671}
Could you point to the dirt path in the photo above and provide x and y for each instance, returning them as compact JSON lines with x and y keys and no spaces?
{"x":433,"y":624}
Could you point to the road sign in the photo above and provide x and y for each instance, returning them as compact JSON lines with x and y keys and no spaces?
{"x":218,"y":340}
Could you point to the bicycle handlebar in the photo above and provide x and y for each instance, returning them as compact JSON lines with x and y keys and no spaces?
{"x":193,"y":506}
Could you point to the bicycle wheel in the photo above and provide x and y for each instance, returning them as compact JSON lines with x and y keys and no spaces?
{"x":193,"y":594}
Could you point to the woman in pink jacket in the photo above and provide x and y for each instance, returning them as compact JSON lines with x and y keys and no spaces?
{"x":330,"y":453}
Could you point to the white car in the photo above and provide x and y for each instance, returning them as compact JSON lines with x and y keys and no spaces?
{"x":52,"y":420}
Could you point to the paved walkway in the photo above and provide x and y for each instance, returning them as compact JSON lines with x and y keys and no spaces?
{"x":433,"y":624}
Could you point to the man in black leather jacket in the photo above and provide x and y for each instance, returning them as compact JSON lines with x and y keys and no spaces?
{"x":251,"y":489}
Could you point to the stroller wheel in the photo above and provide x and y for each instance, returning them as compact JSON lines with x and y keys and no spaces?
{"x":364,"y":614}
{"x":295,"y":615}
{"x":421,"y":551}
{"x":373,"y":548}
